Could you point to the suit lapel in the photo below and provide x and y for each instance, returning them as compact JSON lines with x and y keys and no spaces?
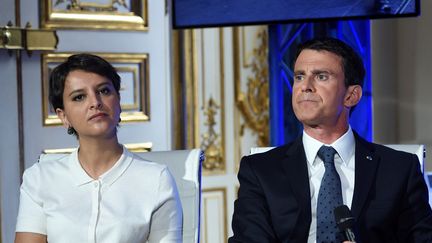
{"x":366,"y":163}
{"x":295,"y":167}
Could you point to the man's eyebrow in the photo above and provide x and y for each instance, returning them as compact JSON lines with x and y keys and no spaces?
{"x":298,"y":72}
{"x":318,"y":71}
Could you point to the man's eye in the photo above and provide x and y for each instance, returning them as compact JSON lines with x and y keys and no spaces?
{"x":298,"y":77}
{"x":78,"y":98}
{"x":322,"y":77}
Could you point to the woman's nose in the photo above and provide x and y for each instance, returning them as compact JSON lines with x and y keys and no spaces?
{"x":96,"y":101}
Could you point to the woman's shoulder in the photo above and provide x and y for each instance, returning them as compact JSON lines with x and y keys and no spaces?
{"x":150,"y":172}
{"x":147,"y":165}
{"x":48,"y":164}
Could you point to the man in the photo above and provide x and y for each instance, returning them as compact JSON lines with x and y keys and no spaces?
{"x":285,"y":191}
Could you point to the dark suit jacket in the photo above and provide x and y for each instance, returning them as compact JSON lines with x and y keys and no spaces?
{"x":390,"y":201}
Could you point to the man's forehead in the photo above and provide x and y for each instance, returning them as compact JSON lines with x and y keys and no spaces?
{"x":318,"y":60}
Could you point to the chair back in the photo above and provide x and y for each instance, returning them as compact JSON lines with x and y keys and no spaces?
{"x":185,"y":166}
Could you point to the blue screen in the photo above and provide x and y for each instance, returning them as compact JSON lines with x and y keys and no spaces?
{"x":208,"y":13}
{"x":429,"y":177}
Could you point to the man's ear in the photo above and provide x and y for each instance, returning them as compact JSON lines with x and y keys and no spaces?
{"x":353,"y":95}
{"x":61,"y":114}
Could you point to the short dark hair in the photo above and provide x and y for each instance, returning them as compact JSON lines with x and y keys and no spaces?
{"x":352,"y":64}
{"x":85,"y":62}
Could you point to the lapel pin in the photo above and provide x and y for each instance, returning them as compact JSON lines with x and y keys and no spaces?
{"x":369,"y":157}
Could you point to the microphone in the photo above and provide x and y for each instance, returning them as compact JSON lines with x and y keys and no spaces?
{"x":345,"y":221}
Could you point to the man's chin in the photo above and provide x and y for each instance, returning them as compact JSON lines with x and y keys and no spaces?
{"x":308,"y":119}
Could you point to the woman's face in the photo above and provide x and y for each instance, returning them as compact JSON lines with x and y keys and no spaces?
{"x":91,"y":105}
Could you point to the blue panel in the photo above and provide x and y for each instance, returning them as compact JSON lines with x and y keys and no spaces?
{"x":283,"y":42}
{"x":199,"y":13}
{"x":357,"y":34}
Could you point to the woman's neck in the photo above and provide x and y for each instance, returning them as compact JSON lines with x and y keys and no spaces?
{"x":97,"y":156}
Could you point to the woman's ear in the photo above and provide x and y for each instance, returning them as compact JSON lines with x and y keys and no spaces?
{"x":353,"y":95}
{"x":61,"y":114}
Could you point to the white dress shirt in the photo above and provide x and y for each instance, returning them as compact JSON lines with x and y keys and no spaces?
{"x":344,"y":163}
{"x":134,"y":201}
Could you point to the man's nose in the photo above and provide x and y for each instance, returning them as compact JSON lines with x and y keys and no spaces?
{"x":307,"y":85}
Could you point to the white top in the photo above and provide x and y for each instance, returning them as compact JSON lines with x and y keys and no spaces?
{"x":344,"y":163}
{"x":134,"y":201}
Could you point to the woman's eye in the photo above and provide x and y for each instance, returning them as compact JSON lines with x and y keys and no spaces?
{"x":78,"y":98}
{"x":105,"y":91}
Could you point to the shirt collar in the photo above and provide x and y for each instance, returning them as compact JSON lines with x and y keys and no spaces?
{"x":107,"y":178}
{"x":110,"y":176}
{"x":344,"y":146}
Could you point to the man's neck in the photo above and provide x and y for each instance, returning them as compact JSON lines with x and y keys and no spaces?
{"x":326,"y":135}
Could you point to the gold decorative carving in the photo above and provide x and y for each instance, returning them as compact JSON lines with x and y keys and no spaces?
{"x":254,"y":104}
{"x":191,"y":93}
{"x":211,"y":143}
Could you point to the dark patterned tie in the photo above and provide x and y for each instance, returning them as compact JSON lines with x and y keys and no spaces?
{"x":329,"y":197}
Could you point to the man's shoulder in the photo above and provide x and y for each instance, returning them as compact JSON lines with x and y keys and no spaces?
{"x":385,"y":153}
{"x":381,"y":148}
{"x":275,"y":154}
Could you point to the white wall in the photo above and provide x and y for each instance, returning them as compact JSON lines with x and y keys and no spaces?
{"x":402,"y":85}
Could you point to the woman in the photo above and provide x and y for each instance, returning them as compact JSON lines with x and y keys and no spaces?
{"x":101,"y":192}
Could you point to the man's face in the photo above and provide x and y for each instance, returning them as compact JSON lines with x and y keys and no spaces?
{"x":319,"y":93}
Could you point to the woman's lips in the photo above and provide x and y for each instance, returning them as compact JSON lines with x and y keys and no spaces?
{"x":98,"y":115}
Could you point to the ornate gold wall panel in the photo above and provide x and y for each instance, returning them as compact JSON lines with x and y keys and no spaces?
{"x":184,"y":90}
{"x":113,"y":14}
{"x":251,"y":79}
{"x":210,"y":142}
{"x":254,"y":102}
{"x":214,"y":215}
{"x":213,"y":103}
{"x":191,"y":85}
{"x":212,"y":66}
{"x":203,"y":72}
{"x":178,"y":98}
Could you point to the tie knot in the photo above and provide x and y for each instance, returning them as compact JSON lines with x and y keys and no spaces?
{"x":327,"y":153}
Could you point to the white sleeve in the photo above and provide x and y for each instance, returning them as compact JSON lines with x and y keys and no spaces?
{"x":166,"y":220}
{"x":31,"y":217}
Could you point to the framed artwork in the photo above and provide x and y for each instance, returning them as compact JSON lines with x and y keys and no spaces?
{"x":94,"y":14}
{"x":134,"y":89}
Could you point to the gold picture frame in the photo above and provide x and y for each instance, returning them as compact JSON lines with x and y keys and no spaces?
{"x":112,"y":15}
{"x":134,"y":91}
